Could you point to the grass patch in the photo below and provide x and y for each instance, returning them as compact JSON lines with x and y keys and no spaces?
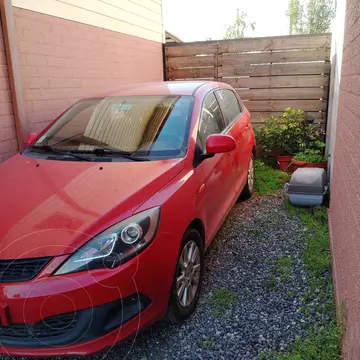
{"x":247,"y":292}
{"x":283,"y":267}
{"x":320,"y":345}
{"x":323,"y":342}
{"x":207,"y":344}
{"x":276,"y":222}
{"x":250,"y":257}
{"x":271,"y":281}
{"x":317,"y":256}
{"x":223,"y":299}
{"x":267,"y":179}
{"x":255,"y":231}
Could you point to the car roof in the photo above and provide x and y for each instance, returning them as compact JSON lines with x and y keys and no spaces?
{"x":160,"y":88}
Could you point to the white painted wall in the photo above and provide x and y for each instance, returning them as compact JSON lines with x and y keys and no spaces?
{"x":141,"y":18}
{"x":336,"y":62}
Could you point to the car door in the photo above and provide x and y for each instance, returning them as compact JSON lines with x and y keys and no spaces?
{"x":237,"y":122}
{"x":216,"y":170}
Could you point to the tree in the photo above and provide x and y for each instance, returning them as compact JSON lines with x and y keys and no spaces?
{"x":320,"y":15}
{"x":296,"y":16}
{"x":310,"y":16}
{"x":237,"y":29}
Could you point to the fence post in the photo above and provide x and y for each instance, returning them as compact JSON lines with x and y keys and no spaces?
{"x":13,"y":66}
{"x":217,"y":61}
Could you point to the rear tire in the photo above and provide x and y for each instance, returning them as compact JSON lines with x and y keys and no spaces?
{"x":249,"y":187}
{"x":188,"y":275}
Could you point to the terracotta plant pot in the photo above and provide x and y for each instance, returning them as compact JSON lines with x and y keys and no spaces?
{"x":303,"y":164}
{"x":284,"y":162}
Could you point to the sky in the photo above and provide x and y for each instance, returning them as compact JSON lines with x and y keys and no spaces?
{"x":197,"y":20}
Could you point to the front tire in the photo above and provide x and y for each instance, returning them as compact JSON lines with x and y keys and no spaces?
{"x":187,"y":281}
{"x":249,"y":187}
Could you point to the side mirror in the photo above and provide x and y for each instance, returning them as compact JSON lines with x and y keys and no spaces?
{"x":219,"y":143}
{"x":31,"y":138}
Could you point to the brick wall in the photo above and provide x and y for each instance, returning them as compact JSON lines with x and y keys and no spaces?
{"x":8,"y":143}
{"x":345,"y":187}
{"x":62,"y":61}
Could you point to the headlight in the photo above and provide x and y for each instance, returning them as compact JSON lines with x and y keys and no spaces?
{"x":115,"y":245}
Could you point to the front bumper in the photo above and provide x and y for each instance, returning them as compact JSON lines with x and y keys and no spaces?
{"x":75,"y":327}
{"x":87,"y":311}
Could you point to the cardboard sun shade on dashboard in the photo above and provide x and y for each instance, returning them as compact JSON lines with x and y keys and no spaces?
{"x":122,"y":122}
{"x":116,"y":126}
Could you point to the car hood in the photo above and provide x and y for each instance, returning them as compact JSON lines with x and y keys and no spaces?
{"x":47,"y":206}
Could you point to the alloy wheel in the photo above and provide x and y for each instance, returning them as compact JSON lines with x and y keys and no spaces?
{"x":188,"y":273}
{"x":251,"y":174}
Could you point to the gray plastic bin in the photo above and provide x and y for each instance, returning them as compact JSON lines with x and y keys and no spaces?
{"x":307,"y":187}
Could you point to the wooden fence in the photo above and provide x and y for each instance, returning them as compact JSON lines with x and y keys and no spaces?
{"x":270,"y":74}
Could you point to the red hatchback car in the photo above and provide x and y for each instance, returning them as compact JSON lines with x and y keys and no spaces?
{"x":106,"y":214}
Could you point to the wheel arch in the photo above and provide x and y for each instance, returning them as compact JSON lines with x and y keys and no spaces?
{"x":198,"y":225}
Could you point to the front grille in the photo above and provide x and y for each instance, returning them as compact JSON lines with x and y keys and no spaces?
{"x":58,"y":325}
{"x":21,"y":269}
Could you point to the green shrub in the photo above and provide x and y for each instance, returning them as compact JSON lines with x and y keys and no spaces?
{"x":311,"y":156}
{"x":289,"y":134}
{"x":268,"y":134}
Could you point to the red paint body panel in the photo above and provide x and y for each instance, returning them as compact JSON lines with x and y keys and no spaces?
{"x":70,"y":202}
{"x":51,"y":208}
{"x":218,"y":143}
{"x":31,"y":138}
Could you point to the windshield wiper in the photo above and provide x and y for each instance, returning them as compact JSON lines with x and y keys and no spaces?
{"x":110,"y":152}
{"x":48,"y":148}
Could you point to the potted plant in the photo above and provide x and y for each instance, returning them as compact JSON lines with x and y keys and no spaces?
{"x":288,"y":135}
{"x":309,"y":158}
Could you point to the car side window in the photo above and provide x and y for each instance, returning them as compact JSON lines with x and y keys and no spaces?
{"x":211,"y":120}
{"x":229,"y":104}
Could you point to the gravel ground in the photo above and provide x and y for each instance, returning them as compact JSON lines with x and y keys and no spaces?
{"x":253,"y":296}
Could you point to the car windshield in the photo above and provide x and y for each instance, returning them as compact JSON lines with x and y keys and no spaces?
{"x":137,"y":126}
